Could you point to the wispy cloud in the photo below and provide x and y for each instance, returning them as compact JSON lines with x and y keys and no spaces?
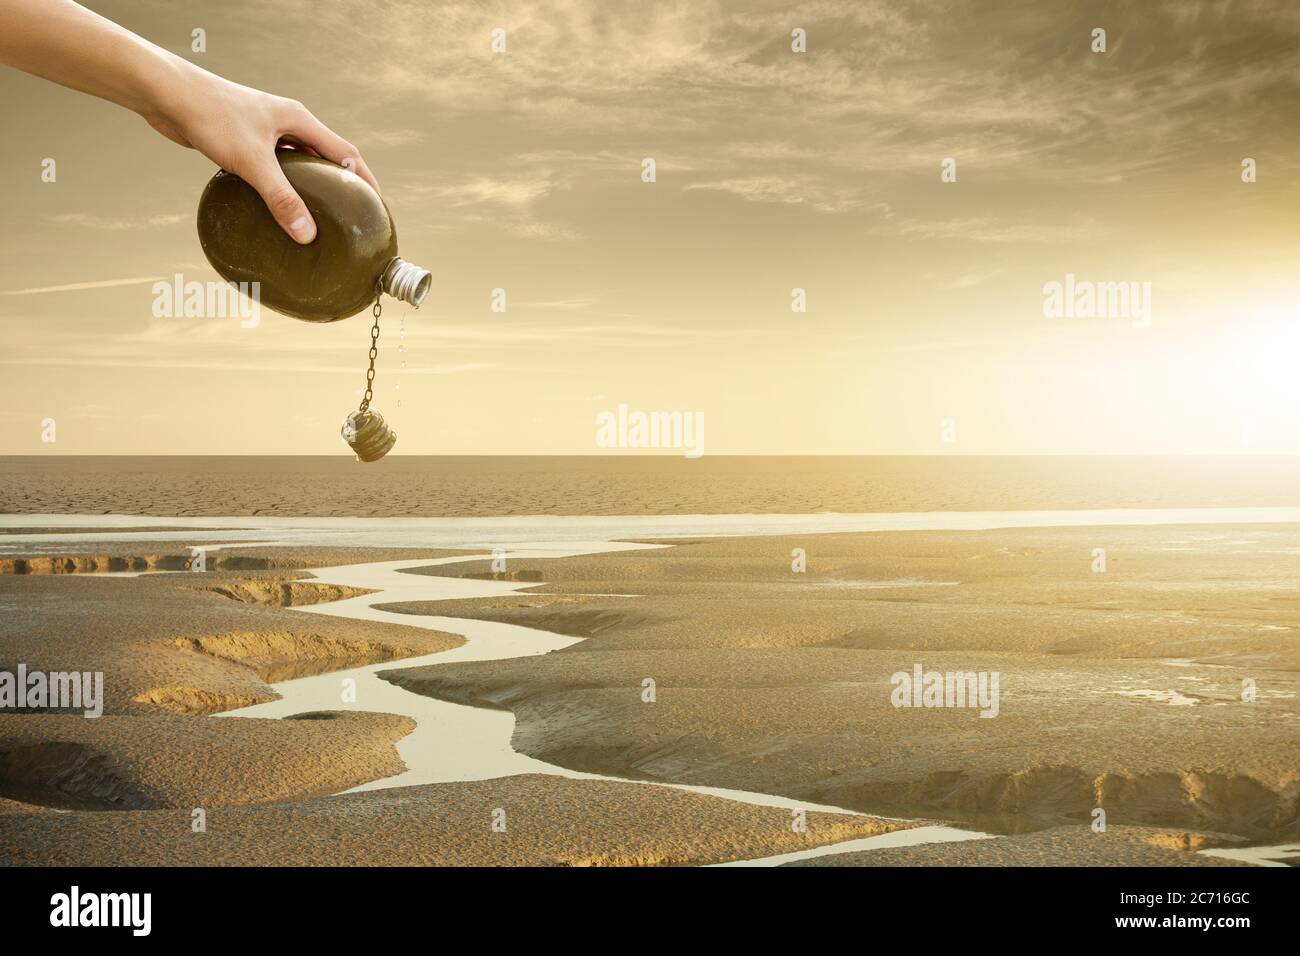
{"x":987,"y":229}
{"x":793,"y":190}
{"x":83,"y":286}
{"x":515,"y":193}
{"x":111,"y":224}
{"x":509,"y":202}
{"x":233,"y":365}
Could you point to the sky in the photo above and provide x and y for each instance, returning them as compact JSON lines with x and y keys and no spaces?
{"x":925,"y":329}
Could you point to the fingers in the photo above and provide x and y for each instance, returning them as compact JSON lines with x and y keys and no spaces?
{"x":323,"y":140}
{"x":288,"y":142}
{"x":285,"y":204}
{"x":303,"y":129}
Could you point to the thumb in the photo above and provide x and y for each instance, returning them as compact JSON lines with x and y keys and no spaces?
{"x":288,"y":209}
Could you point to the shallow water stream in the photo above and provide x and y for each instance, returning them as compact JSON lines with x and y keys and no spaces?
{"x":455,"y":742}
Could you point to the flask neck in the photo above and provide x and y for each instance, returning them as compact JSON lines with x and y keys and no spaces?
{"x":406,"y":282}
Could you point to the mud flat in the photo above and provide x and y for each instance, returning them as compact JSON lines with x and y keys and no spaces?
{"x":548,"y":821}
{"x":173,"y":648}
{"x":1058,"y":846}
{"x":1121,"y":689}
{"x":141,"y":762}
{"x":194,"y":643}
{"x":143,"y":774}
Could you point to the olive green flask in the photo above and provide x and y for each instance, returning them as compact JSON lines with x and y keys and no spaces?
{"x":338,"y":274}
{"x":332,"y":277}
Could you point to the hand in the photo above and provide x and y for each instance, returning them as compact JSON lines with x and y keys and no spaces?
{"x":238,"y":128}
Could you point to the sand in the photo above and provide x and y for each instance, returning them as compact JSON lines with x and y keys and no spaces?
{"x":139,"y":762}
{"x":632,"y":484}
{"x":195,"y":643}
{"x":175,"y":647}
{"x":1058,"y":846}
{"x":779,"y":682}
{"x":549,"y":821}
{"x":766,"y":680}
{"x":70,"y":557}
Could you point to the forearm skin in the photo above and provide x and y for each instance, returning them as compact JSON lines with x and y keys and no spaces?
{"x":65,"y":43}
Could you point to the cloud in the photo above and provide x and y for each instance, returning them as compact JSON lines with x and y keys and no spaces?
{"x":109,"y":224}
{"x":82,"y":286}
{"x":886,"y":89}
{"x":795,"y":190}
{"x":970,"y":280}
{"x":516,"y":193}
{"x":546,"y":231}
{"x":237,"y":365}
{"x":991,"y":230}
{"x":507,"y":202}
{"x":393,"y":137}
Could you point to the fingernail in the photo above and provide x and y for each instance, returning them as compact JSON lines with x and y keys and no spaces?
{"x":303,"y":229}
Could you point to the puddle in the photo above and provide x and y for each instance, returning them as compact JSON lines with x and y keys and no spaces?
{"x":914,"y":837}
{"x":1286,"y":854}
{"x":1171,"y":697}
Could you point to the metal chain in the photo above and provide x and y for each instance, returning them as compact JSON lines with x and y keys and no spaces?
{"x":376,"y":310}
